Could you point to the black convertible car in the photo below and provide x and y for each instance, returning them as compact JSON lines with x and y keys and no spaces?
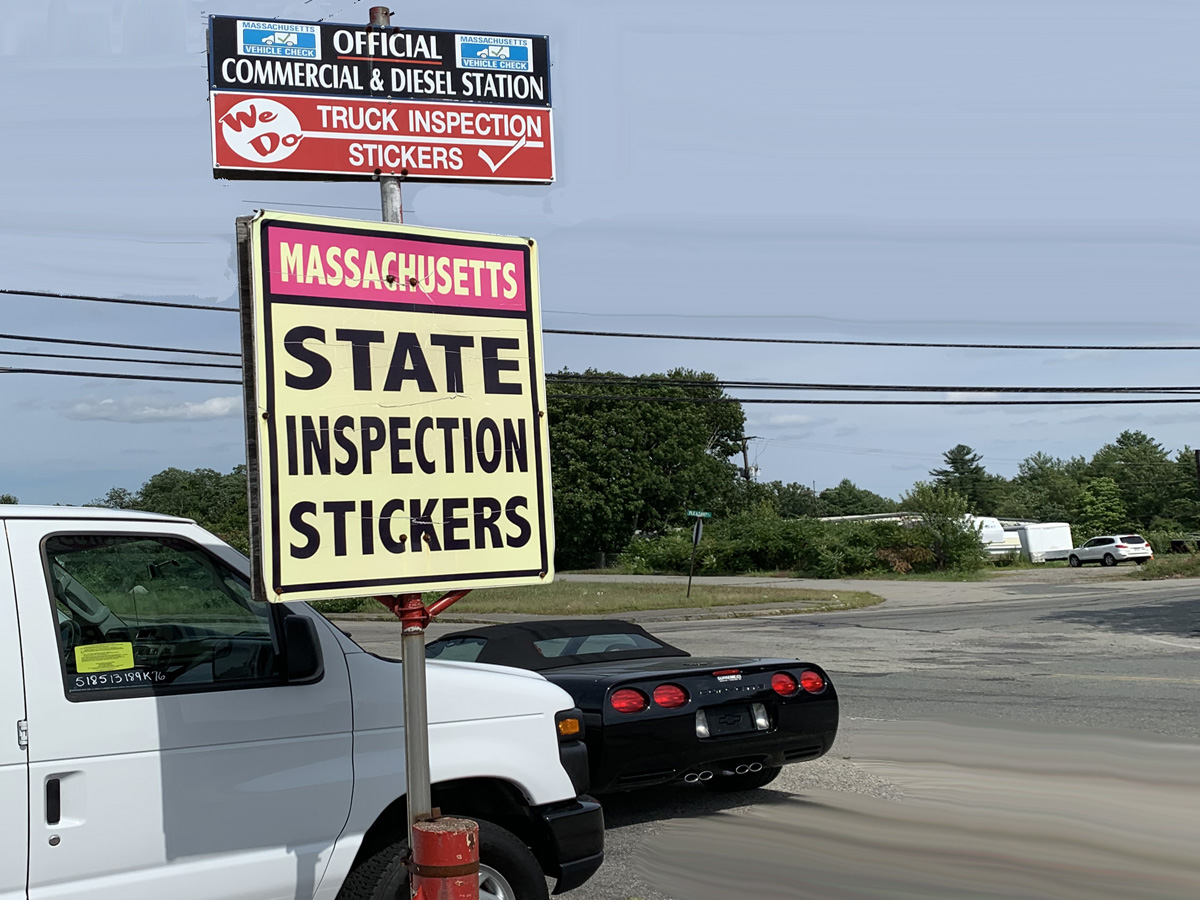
{"x":653,"y":713}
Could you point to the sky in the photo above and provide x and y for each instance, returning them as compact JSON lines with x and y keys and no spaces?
{"x":967,"y":170}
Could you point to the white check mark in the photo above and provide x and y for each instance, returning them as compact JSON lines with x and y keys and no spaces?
{"x":513,"y":149}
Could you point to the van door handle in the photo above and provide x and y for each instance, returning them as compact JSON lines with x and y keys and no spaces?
{"x":53,"y":801}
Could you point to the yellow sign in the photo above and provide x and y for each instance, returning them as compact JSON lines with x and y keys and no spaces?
{"x":103,"y":657}
{"x":395,"y":408}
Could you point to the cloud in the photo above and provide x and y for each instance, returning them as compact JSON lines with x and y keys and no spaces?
{"x":790,"y":419}
{"x":135,"y":410}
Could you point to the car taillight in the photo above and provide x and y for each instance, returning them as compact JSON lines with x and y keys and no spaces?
{"x":812,"y":682}
{"x":670,"y":696}
{"x":627,"y":700}
{"x":784,"y":684}
{"x":1122,"y":546}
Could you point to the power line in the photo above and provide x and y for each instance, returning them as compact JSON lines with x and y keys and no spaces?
{"x":109,"y":344}
{"x":947,"y":345}
{"x":10,"y":370}
{"x":571,"y":378}
{"x":124,"y":359}
{"x":837,"y":343}
{"x":50,"y":295}
{"x":827,"y":402}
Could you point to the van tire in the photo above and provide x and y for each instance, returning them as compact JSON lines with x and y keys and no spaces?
{"x":382,"y":876}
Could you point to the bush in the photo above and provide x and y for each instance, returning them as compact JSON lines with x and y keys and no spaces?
{"x":348,"y":605}
{"x":763,"y":542}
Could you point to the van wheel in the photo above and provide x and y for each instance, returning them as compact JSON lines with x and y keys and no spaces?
{"x":1074,"y":562}
{"x":507,"y":871}
{"x":1109,"y":559}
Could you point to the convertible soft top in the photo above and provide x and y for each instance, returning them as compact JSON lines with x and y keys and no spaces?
{"x":556,"y":643}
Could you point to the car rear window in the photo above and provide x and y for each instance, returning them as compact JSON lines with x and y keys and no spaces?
{"x":580,"y":645}
{"x":1133,"y":539}
{"x":465,"y":649}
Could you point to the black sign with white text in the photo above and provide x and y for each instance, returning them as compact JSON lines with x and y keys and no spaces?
{"x":272,"y":56}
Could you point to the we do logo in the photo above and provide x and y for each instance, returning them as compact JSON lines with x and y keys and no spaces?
{"x":261,"y":130}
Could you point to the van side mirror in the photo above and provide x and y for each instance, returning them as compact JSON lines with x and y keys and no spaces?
{"x":303,"y":649}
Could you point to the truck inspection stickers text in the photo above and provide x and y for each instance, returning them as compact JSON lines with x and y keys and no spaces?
{"x":397,"y":409}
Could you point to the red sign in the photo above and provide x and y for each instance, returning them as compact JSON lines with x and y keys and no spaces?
{"x":322,"y":137}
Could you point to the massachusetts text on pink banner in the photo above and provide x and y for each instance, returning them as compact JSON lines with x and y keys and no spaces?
{"x":400,"y":270}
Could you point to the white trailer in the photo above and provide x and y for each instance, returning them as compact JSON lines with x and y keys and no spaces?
{"x":1042,"y":541}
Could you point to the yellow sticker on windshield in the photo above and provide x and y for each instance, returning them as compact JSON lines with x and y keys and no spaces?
{"x":104,"y":657}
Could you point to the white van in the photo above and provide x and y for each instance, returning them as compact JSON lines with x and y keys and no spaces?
{"x":168,"y":737}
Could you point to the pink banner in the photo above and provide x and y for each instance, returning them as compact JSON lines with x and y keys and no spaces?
{"x":398,"y":270}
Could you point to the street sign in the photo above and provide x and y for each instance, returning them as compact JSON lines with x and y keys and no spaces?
{"x":702,"y":515}
{"x":395,"y":405}
{"x":256,"y":136}
{"x":322,"y":101}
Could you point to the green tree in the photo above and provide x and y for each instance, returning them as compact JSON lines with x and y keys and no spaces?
{"x":214,"y":500}
{"x":8,"y":498}
{"x":1183,"y":508}
{"x":964,"y":473}
{"x":1045,"y":489}
{"x":630,"y":464}
{"x":848,"y":499}
{"x":945,"y":525}
{"x":1144,"y":475}
{"x":793,"y":500}
{"x":1100,"y":511}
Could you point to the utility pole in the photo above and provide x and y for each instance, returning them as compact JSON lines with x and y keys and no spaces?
{"x":1198,"y":468}
{"x":389,"y":185}
{"x":746,"y":456}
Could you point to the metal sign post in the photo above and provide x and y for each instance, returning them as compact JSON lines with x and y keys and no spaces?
{"x":389,"y":185}
{"x":697,"y":533}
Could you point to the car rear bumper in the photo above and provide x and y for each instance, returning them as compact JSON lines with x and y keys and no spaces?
{"x":574,"y":846}
{"x":666,"y":750}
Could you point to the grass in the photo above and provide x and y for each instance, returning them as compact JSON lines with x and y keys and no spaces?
{"x":1173,"y":565}
{"x":983,"y":574}
{"x":584,"y":598}
{"x":948,"y":575}
{"x":1024,"y":564}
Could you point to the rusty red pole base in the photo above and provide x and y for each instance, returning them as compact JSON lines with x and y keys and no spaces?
{"x":446,"y":860}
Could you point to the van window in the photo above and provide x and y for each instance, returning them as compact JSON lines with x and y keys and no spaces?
{"x":148,"y":614}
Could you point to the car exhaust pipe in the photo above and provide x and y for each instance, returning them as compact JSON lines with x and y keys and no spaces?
{"x":742,"y":770}
{"x":754,"y":767}
{"x":691,"y":778}
{"x":705,"y":776}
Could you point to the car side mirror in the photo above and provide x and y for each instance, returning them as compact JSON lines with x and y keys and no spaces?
{"x":303,"y":649}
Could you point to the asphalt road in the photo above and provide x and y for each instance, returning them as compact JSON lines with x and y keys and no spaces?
{"x":1052,"y":665}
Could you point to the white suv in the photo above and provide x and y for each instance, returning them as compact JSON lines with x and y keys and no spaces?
{"x":1112,"y":549}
